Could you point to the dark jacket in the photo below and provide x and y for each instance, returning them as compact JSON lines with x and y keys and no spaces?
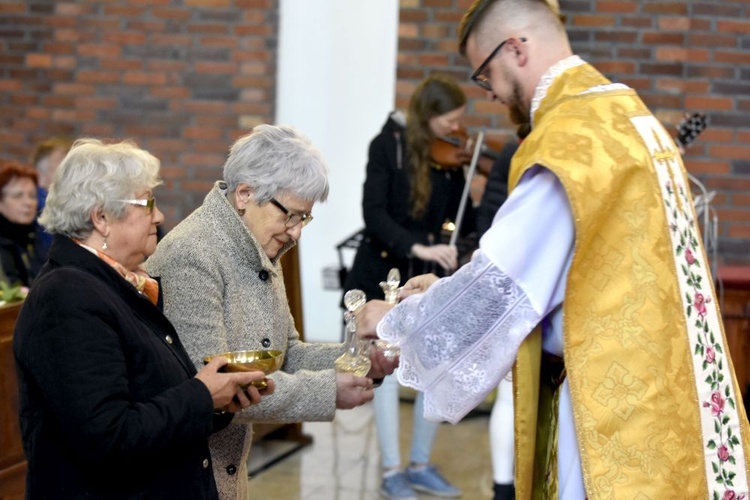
{"x":109,"y":405}
{"x":22,"y":251}
{"x":496,"y":189}
{"x":390,"y":231}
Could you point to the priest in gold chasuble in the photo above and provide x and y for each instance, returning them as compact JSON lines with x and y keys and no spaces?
{"x":592,"y":285}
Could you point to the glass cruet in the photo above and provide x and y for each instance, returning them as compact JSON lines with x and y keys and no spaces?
{"x":355,"y":359}
{"x":390,"y":288}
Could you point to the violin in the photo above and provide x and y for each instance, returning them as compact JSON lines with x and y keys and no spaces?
{"x":455,"y":150}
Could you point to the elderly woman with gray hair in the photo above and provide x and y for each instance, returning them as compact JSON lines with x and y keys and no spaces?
{"x":224,"y":288}
{"x":110,"y":404}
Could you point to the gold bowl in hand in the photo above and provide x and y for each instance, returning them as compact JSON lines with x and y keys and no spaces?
{"x":246,"y":361}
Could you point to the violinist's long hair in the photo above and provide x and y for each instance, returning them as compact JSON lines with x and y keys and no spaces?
{"x":434,"y":96}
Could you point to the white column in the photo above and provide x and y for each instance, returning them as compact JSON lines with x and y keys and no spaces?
{"x":336,"y":83}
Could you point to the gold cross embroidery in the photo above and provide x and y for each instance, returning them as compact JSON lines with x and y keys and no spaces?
{"x":664,"y":156}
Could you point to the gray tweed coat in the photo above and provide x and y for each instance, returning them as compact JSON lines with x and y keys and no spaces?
{"x":222,"y":293}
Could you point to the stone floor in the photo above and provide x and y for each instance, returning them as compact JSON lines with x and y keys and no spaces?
{"x":343,"y":461}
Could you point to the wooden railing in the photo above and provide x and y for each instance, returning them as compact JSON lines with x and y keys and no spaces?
{"x":12,"y":461}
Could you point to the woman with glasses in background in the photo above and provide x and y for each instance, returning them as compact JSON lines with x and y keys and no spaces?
{"x":110,"y":404}
{"x":224,"y":288}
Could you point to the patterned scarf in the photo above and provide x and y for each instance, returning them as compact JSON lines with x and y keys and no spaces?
{"x":145,"y":284}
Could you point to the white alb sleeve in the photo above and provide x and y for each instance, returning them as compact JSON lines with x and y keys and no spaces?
{"x":461,"y":337}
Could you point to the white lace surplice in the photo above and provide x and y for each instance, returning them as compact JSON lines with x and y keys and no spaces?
{"x":461,"y":337}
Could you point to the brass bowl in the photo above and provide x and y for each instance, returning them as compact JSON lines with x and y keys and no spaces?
{"x":246,"y":361}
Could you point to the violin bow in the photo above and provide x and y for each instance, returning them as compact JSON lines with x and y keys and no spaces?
{"x":467,"y":187}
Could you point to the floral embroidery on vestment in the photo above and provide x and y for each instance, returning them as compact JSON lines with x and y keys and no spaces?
{"x":713,"y":378}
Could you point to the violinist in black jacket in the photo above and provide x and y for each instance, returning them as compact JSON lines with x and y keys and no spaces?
{"x":407,"y":196}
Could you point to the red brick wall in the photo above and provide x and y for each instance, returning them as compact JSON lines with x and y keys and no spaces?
{"x":680,"y":56}
{"x":181,"y":78}
{"x":184,"y":78}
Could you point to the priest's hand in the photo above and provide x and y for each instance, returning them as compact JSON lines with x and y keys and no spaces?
{"x":368,"y":317}
{"x":417,"y":284}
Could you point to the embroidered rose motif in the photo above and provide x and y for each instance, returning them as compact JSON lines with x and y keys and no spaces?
{"x":705,"y":338}
{"x":689,"y":257}
{"x":710,"y":355}
{"x":716,"y":404}
{"x":700,"y":304}
{"x":731,"y":495}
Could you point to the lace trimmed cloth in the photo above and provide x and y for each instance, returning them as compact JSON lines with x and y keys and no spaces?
{"x":460,"y":352}
{"x":461,"y":337}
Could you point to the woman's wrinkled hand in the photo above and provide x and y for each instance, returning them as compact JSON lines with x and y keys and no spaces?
{"x":226,"y":388}
{"x":445,"y":255}
{"x":252,"y":394}
{"x":381,"y":365}
{"x":352,"y":391}
{"x":417,"y":284}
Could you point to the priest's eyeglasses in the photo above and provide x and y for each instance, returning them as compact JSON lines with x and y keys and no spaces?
{"x":480,"y":75}
{"x":292,"y":219}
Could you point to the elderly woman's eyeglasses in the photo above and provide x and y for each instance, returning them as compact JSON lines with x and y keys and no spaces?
{"x":292,"y":219}
{"x":480,"y":75}
{"x":148,"y":203}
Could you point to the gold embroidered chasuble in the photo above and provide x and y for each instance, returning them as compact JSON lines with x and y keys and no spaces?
{"x":657,"y":409}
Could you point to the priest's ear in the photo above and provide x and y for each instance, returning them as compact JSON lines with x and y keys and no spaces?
{"x":554,"y":5}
